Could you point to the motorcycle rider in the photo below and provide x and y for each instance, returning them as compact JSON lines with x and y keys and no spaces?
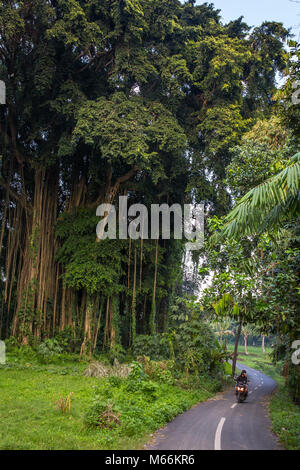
{"x":243,"y":379}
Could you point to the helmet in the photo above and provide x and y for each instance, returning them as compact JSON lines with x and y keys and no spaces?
{"x":244,"y":371}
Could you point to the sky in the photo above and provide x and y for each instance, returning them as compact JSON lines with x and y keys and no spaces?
{"x":257,"y":11}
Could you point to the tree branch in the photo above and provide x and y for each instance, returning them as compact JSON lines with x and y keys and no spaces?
{"x":18,"y":198}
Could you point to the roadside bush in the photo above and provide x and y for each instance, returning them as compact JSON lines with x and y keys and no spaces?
{"x":155,"y":347}
{"x":48,"y":351}
{"x":104,"y":392}
{"x":137,"y":373}
{"x":11,"y":344}
{"x":23,"y":353}
{"x":139,"y":381}
{"x":190,"y":343}
{"x":211,"y":384}
{"x":149,"y":389}
{"x":102,"y":415}
{"x":68,"y":340}
{"x":159,"y":371}
{"x":137,"y":406}
{"x":197,"y":350}
{"x":116,"y":353}
{"x":136,"y":377}
{"x":115,"y":381}
{"x":200,"y":382}
{"x":293,"y":383}
{"x":193,"y":361}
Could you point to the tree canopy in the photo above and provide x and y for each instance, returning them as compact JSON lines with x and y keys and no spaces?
{"x":141,"y":98}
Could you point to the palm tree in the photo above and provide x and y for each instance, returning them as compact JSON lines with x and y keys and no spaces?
{"x":247,"y":330}
{"x":267,"y":205}
{"x":263,"y":343}
{"x":221,"y":328}
{"x":256,"y":330}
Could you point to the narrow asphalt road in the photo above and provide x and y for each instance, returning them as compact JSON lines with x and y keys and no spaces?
{"x":223,"y":424}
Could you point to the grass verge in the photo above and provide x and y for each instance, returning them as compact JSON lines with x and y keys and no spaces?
{"x":30,"y":418}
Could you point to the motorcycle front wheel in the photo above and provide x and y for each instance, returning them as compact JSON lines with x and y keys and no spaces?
{"x":241,"y":397}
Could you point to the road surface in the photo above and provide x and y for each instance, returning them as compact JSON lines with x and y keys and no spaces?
{"x":223,"y":424}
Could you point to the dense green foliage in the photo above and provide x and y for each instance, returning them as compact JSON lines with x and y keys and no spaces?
{"x":160,"y":102}
{"x":107,"y":98}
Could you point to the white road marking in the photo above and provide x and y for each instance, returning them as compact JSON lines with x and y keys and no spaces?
{"x":255,"y":388}
{"x":218,"y":434}
{"x":234,"y":405}
{"x":251,"y":391}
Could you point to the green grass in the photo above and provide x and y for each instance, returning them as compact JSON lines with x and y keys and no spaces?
{"x":285,"y":414}
{"x":29,"y":418}
{"x":259,"y":360}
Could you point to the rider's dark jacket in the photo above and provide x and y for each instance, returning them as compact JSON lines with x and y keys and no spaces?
{"x":242,"y":379}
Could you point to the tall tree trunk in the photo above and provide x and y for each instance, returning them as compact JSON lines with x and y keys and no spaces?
{"x":133,"y":302}
{"x":86,"y":346}
{"x":114,"y":322}
{"x":245,"y":344}
{"x":98,"y":326}
{"x":128,"y":268}
{"x":106,"y":329}
{"x":36,"y":247}
{"x":153,"y":307}
{"x":141,"y":252}
{"x":263,"y":343}
{"x":236,"y":348}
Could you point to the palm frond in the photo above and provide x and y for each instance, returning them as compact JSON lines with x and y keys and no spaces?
{"x":268,"y":204}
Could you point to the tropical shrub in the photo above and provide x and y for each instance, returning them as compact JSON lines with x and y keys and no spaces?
{"x":48,"y":351}
{"x":161,"y":372}
{"x":154,"y":346}
{"x":102,"y":415}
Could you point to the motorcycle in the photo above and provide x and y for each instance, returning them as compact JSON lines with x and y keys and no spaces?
{"x":241,"y":392}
